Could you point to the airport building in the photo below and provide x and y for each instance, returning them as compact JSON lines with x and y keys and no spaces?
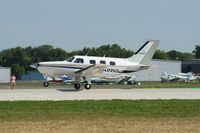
{"x":191,"y":66}
{"x":5,"y":73}
{"x":156,"y":69}
{"x":32,"y":75}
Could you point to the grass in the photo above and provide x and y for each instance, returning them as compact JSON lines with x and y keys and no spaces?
{"x":34,"y":110}
{"x":111,"y":116}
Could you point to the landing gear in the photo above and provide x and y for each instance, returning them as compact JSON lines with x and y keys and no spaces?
{"x":77,"y":86}
{"x":88,"y":86}
{"x":87,"y":83}
{"x":46,"y":84}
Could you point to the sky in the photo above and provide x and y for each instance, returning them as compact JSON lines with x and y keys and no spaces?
{"x":74,"y":24}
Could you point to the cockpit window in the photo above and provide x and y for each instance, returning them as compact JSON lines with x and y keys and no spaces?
{"x":70,"y":59}
{"x":79,"y":60}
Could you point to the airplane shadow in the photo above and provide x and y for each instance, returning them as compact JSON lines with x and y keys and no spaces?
{"x":69,"y":90}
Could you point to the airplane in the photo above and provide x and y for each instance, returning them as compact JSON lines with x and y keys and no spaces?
{"x":187,"y":77}
{"x":63,"y":78}
{"x":119,"y":79}
{"x":86,"y":67}
{"x":177,"y":77}
{"x":169,"y":77}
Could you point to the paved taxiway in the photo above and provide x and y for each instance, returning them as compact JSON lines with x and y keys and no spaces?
{"x":97,"y":94}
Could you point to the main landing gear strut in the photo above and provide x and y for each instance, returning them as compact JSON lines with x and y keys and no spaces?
{"x":77,"y":84}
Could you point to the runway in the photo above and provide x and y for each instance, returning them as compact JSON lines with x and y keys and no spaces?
{"x":97,"y":94}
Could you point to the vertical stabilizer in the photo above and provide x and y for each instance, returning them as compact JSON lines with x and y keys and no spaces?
{"x":145,"y":53}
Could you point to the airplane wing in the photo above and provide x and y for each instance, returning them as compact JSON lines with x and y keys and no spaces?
{"x":91,"y":70}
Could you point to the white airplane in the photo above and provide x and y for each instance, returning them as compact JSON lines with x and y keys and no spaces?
{"x":63,"y":78}
{"x":119,"y":79}
{"x":169,"y":77}
{"x":187,"y":76}
{"x":177,"y":77}
{"x":87,"y":67}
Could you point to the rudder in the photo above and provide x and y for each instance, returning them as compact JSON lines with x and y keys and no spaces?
{"x":145,"y":53}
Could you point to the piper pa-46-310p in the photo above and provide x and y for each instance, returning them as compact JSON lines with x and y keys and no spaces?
{"x":87,"y":67}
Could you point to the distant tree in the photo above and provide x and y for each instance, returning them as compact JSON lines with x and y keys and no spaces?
{"x":196,"y":52}
{"x":176,"y":55}
{"x":113,"y":50}
{"x":187,"y":56}
{"x":160,"y":54}
{"x":19,"y":58}
{"x":17,"y":70}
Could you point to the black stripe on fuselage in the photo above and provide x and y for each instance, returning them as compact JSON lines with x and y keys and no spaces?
{"x":125,"y":71}
{"x":63,"y":67}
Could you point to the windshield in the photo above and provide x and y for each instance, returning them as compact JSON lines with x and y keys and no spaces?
{"x":70,"y":59}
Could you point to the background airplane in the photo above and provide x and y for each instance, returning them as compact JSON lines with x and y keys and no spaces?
{"x":119,"y":79}
{"x":186,"y":77}
{"x":63,"y":78}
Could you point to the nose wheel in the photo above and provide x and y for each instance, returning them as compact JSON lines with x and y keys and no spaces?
{"x":46,"y":84}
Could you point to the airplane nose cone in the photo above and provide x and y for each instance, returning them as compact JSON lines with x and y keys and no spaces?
{"x":35,"y":65}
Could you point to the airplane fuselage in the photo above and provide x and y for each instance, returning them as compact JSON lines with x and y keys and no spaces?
{"x":113,"y":67}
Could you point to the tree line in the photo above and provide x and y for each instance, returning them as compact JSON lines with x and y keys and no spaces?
{"x":20,"y":58}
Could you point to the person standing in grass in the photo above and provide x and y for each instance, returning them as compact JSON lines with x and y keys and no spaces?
{"x":13,"y":81}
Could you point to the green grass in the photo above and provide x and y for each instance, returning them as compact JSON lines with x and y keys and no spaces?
{"x":58,"y":110}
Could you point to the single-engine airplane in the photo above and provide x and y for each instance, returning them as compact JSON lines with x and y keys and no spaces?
{"x":186,"y":77}
{"x":87,"y":67}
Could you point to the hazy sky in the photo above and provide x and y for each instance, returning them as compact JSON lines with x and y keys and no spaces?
{"x":73,"y":24}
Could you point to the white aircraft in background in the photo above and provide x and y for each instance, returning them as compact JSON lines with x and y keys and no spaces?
{"x":87,"y":67}
{"x":177,"y":77}
{"x":169,"y":77}
{"x":119,"y":79}
{"x":187,"y":76}
{"x":63,"y":78}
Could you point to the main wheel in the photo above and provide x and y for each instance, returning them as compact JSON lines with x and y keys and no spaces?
{"x":77,"y":86}
{"x":46,"y":84}
{"x":88,"y":86}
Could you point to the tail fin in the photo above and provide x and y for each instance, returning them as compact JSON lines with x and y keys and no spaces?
{"x":164,"y":74}
{"x":145,"y":53}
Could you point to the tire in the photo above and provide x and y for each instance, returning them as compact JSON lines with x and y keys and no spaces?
{"x":46,"y":84}
{"x":77,"y":86}
{"x":88,"y":86}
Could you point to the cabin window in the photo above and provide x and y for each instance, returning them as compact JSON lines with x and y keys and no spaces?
{"x":102,"y":62}
{"x":79,"y":60}
{"x":92,"y":62}
{"x":112,"y":63}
